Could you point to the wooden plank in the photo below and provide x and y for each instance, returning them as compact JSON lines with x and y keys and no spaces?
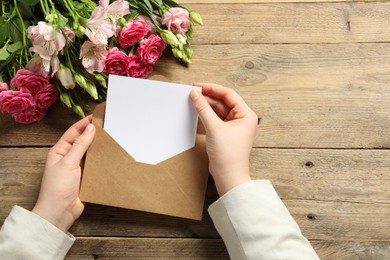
{"x":147,"y":248}
{"x":166,"y":248}
{"x":293,"y":22}
{"x":187,"y":2}
{"x":354,"y":210}
{"x":360,"y":176}
{"x":309,"y":96}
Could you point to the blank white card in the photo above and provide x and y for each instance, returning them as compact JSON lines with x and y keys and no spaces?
{"x":152,"y":120}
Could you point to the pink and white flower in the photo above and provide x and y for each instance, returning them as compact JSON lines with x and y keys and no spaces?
{"x":177,"y":20}
{"x":47,"y":43}
{"x":38,"y":66}
{"x":93,"y":56}
{"x":69,"y":33}
{"x":116,"y":10}
{"x":3,"y":86}
{"x":98,"y":28}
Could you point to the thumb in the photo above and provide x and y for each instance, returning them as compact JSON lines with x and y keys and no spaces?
{"x":206,"y":113}
{"x":80,"y":145}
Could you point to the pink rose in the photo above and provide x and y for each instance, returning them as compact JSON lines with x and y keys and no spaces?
{"x":15,"y":101}
{"x":29,"y":116}
{"x":177,"y":20}
{"x":151,"y":49}
{"x":25,"y":79}
{"x":138,"y":69}
{"x":132,"y":33}
{"x":46,"y":97}
{"x":117,"y":62}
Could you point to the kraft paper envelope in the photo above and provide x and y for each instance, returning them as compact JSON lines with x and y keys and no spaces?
{"x":174,"y":187}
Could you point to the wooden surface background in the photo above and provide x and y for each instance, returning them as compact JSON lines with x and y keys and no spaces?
{"x":318,"y":73}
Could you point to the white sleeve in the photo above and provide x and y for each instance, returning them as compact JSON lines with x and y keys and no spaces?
{"x":25,"y":235}
{"x":255,"y":224}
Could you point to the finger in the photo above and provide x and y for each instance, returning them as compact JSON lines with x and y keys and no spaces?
{"x":64,"y":144}
{"x":227,"y":95}
{"x":238,"y":107}
{"x":206,"y":113}
{"x":74,"y":131}
{"x":80,"y":145}
{"x":218,"y":106}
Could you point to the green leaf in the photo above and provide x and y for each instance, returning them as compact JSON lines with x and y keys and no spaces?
{"x":149,"y":5}
{"x":4,"y":54}
{"x":15,"y":30}
{"x":14,"y":47}
{"x":29,"y":2}
{"x":25,"y":10}
{"x":4,"y":32}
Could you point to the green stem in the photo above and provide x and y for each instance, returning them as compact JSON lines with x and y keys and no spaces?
{"x":43,"y":7}
{"x":22,"y":23}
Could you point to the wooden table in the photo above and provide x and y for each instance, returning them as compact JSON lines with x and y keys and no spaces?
{"x":319,"y":76}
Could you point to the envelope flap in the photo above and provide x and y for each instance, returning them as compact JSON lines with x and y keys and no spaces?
{"x":174,"y":187}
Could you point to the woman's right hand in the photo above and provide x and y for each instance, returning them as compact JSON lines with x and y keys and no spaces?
{"x":230,"y":131}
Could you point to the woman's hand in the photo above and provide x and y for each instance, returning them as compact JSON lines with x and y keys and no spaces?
{"x":230,"y":131}
{"x":58,"y":200}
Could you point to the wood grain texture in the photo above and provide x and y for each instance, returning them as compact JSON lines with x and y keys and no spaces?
{"x":188,"y":2}
{"x":308,"y":95}
{"x":167,"y":248}
{"x":320,"y":198}
{"x":293,"y":22}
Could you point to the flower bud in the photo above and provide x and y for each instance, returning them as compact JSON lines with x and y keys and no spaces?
{"x":122,"y":22}
{"x":196,"y":18}
{"x":189,"y":52}
{"x":91,"y":89}
{"x":182,"y":38}
{"x":80,"y":30}
{"x":177,"y":53}
{"x":66,"y":77}
{"x":101,"y":79}
{"x":169,"y":38}
{"x":80,"y":80}
{"x":78,"y":110}
{"x":65,"y":99}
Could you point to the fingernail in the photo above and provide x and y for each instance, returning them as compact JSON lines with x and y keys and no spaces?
{"x":194,"y":95}
{"x":89,"y":128}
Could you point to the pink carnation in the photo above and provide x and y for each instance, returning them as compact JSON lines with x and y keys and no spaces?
{"x":177,"y":20}
{"x":25,"y":79}
{"x":117,"y":62}
{"x":149,"y":24}
{"x":132,"y":33}
{"x":138,"y":69}
{"x":29,"y":116}
{"x":15,"y":101}
{"x":151,"y":49}
{"x":46,"y":97}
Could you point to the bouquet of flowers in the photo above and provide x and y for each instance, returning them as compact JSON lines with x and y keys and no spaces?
{"x":53,"y":49}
